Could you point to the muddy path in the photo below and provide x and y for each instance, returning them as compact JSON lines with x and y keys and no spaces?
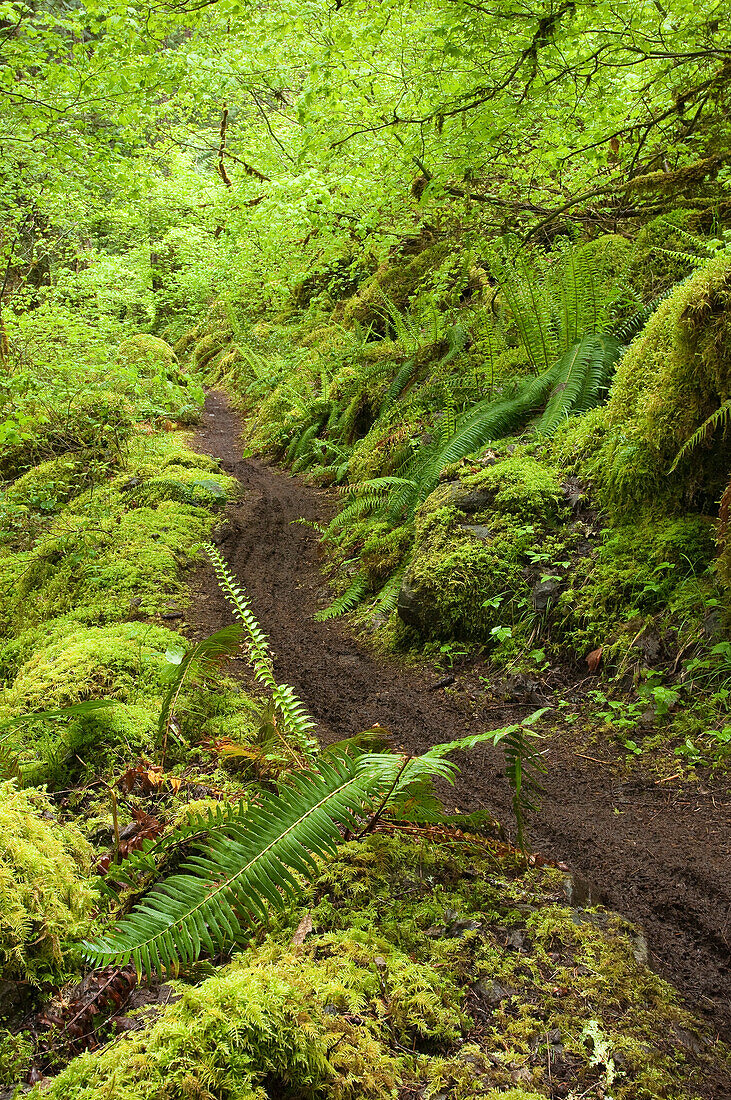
{"x":660,"y":857}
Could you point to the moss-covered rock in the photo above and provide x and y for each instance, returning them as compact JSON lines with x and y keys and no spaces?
{"x":473,"y":539}
{"x":392,"y":282}
{"x":146,"y":350}
{"x":87,"y":662}
{"x":647,"y":576}
{"x":45,"y":897}
{"x":674,"y":375}
{"x":430,"y":970}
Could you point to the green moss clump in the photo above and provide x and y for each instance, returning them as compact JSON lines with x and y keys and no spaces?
{"x":674,"y":375}
{"x":639,"y":572}
{"x":29,"y":503}
{"x":274,"y":1019}
{"x":146,"y":350}
{"x":456,"y":582}
{"x":659,"y":261}
{"x":519,"y":485}
{"x":393,"y":282}
{"x":87,"y":662}
{"x":45,"y":898}
{"x":118,"y":549}
{"x":473,"y":540}
{"x":431,"y":970}
{"x":73,"y":605}
{"x":16,"y":1053}
{"x":94,"y":425}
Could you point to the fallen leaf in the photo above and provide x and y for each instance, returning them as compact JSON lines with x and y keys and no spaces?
{"x":303,"y":930}
{"x":594,"y":659}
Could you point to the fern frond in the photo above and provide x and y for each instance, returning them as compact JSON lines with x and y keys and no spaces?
{"x":258,"y":856}
{"x":299,"y":444}
{"x":294,"y":719}
{"x":243,"y":869}
{"x":437,"y":752}
{"x":483,"y":422}
{"x":349,"y":599}
{"x":76,"y":710}
{"x":369,"y":496}
{"x":9,"y":762}
{"x":580,"y":373}
{"x":721,"y":417}
{"x":625,"y":331}
{"x":448,"y":423}
{"x":387,"y":598}
{"x":146,"y":860}
{"x":530,"y":308}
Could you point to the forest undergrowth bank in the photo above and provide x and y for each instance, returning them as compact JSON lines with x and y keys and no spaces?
{"x":465,"y":270}
{"x":441,"y":985}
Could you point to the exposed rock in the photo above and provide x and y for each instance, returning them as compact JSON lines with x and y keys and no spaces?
{"x":492,"y":992}
{"x":416,"y":608}
{"x":544,"y":591}
{"x":454,"y":927}
{"x":477,"y":531}
{"x":468,"y":500}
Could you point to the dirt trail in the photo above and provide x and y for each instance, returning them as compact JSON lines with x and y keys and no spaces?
{"x":660,"y":857}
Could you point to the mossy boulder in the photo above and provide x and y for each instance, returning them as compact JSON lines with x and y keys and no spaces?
{"x":636,"y":586}
{"x":143,"y":349}
{"x":392,"y":283}
{"x":45,"y":896}
{"x":430,"y":970}
{"x":661,"y":250}
{"x":80,"y":662}
{"x":672,"y":378}
{"x":473,"y":539}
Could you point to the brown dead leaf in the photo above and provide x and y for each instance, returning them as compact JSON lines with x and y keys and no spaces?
{"x":595,"y":659}
{"x":303,"y":930}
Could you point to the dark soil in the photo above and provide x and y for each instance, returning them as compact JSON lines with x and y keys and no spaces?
{"x":659,"y":856}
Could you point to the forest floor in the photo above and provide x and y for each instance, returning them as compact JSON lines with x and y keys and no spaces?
{"x":656,"y":852}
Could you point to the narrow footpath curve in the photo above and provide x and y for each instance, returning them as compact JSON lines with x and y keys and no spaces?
{"x":657,"y":856}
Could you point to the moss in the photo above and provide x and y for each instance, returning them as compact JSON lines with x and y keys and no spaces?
{"x":27,"y":506}
{"x":146,"y":350}
{"x":94,"y":424}
{"x":103,"y":566}
{"x":457,"y":582}
{"x":395,"y":283}
{"x":273,"y":1020}
{"x":87,"y":662}
{"x":473,"y":541}
{"x":16,"y":1053}
{"x":658,"y":263}
{"x":186,"y":341}
{"x":119,"y":549}
{"x":383,"y":551}
{"x":113,"y":553}
{"x":639,"y":571}
{"x":674,"y":375}
{"x":519,"y":485}
{"x":431,"y":969}
{"x":45,"y":898}
{"x":206,"y":350}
